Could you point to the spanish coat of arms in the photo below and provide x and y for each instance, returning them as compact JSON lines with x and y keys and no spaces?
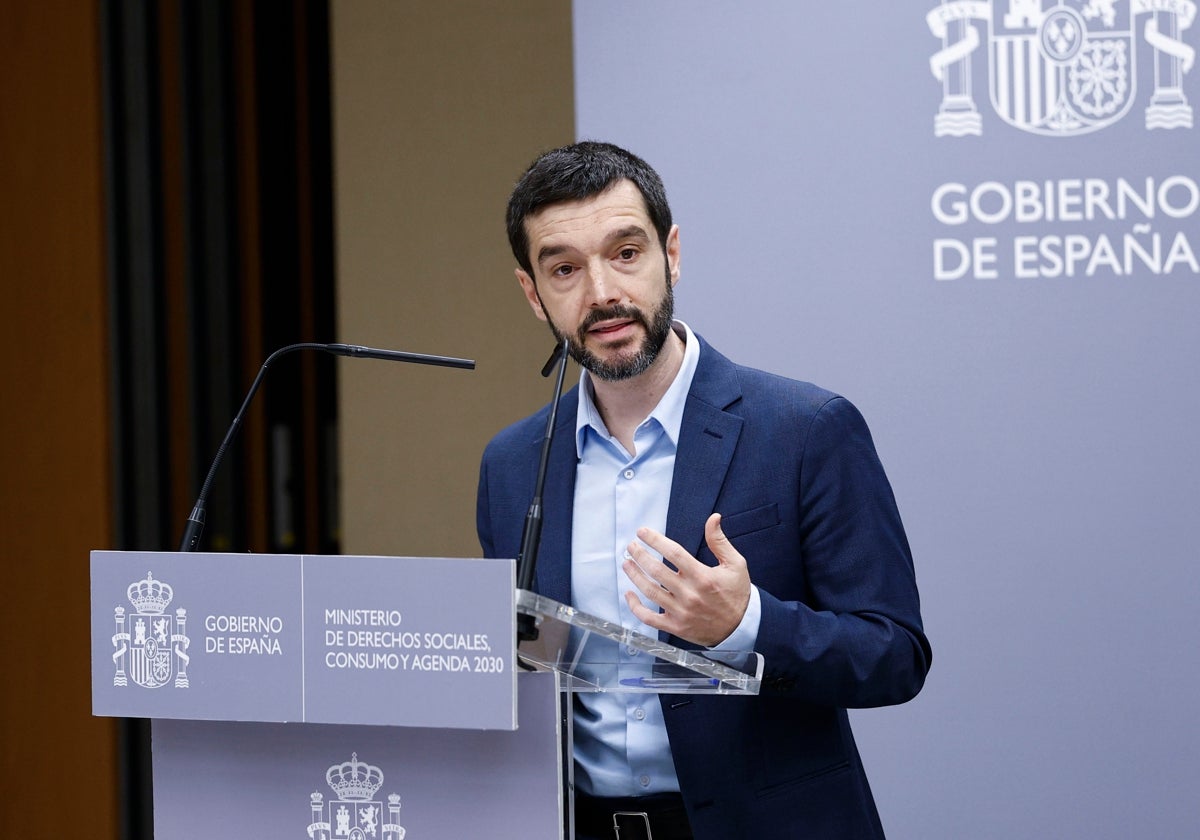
{"x":150,"y":643}
{"x":354,"y":814}
{"x":1061,"y":67}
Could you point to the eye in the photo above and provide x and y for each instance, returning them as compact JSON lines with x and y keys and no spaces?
{"x":628,"y":254}
{"x":563,"y":270}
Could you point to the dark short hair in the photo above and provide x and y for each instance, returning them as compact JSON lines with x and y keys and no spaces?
{"x":576,"y":172}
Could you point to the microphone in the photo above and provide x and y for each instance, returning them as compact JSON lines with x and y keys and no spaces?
{"x":360,"y":352}
{"x":557,"y":353}
{"x":195,"y":521}
{"x":531,"y":537}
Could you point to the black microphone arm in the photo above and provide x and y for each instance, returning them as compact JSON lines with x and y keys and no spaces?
{"x":195,"y":521}
{"x":531,"y":537}
{"x":361,"y":352}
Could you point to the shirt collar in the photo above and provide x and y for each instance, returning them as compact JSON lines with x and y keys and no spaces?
{"x":668,"y":412}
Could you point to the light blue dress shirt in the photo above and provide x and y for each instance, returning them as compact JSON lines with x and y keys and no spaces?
{"x":621,"y":746}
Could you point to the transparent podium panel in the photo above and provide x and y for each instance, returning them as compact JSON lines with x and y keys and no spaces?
{"x":592,"y":654}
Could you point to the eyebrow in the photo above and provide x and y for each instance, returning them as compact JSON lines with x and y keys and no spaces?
{"x":629,"y":232}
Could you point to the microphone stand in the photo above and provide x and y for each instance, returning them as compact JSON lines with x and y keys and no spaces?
{"x":195,"y":521}
{"x":531,"y":537}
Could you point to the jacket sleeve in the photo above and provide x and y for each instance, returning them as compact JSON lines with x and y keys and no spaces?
{"x":853,"y":636}
{"x":483,"y":519}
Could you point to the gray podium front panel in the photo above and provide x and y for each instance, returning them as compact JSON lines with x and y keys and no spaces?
{"x":343,"y":782}
{"x":280,"y":638}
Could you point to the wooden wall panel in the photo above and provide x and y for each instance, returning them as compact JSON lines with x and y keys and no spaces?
{"x":54,"y":435}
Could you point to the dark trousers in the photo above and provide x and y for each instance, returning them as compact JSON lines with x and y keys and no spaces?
{"x":658,"y":817}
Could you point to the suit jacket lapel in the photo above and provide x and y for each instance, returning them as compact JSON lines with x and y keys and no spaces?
{"x":558,"y":505}
{"x":707,"y":439}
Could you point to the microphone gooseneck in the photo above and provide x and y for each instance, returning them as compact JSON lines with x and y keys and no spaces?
{"x":195,"y":521}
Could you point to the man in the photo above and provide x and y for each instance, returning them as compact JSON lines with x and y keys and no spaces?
{"x":765,"y":497}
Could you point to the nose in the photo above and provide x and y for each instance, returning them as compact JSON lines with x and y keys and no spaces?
{"x":603,"y":288}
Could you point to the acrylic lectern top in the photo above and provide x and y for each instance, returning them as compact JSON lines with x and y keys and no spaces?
{"x":598,"y":655}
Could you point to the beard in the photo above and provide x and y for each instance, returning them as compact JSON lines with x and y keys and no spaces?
{"x":657,"y":327}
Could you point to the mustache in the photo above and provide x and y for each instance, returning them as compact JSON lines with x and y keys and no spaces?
{"x":611,"y":313}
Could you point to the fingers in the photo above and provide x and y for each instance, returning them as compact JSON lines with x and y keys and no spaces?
{"x":647,"y":574}
{"x":677,"y":566}
{"x":642,"y":613}
{"x":653,"y":578}
{"x":699,"y":603}
{"x":651,"y":589}
{"x":677,"y":556}
{"x":671,"y":551}
{"x":718,"y":543}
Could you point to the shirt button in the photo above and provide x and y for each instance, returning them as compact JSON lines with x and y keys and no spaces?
{"x":640,"y":714}
{"x":628,"y":473}
{"x":644,"y":781}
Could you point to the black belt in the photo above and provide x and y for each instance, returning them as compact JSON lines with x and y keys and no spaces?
{"x":660,"y":816}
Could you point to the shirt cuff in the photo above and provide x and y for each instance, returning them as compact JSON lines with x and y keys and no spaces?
{"x":745,"y":635}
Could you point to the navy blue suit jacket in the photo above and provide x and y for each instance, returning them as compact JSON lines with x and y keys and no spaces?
{"x":794,"y":473}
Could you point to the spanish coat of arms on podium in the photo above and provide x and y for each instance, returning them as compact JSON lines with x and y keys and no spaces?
{"x":355,"y":813}
{"x":150,"y":643}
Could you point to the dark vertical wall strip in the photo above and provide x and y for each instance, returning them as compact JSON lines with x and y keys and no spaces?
{"x":322,"y":254}
{"x":274,"y":46}
{"x":211,"y":253}
{"x":135,"y":263}
{"x":136,"y":376}
{"x":253,"y":468}
{"x":292,"y":53}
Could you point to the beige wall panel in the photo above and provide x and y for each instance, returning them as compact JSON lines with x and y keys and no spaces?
{"x":438,"y":107}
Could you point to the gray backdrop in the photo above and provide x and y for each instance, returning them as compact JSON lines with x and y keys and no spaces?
{"x":1035,"y":409}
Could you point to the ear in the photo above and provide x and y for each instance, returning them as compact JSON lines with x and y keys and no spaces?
{"x":673,"y":254}
{"x":531,"y":294}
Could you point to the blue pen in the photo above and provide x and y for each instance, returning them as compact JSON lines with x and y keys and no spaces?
{"x":668,"y":682}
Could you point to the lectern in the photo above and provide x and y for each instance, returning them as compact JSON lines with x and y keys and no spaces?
{"x":360,"y":698}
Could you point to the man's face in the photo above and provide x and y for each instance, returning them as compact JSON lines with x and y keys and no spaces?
{"x":601,"y":278}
